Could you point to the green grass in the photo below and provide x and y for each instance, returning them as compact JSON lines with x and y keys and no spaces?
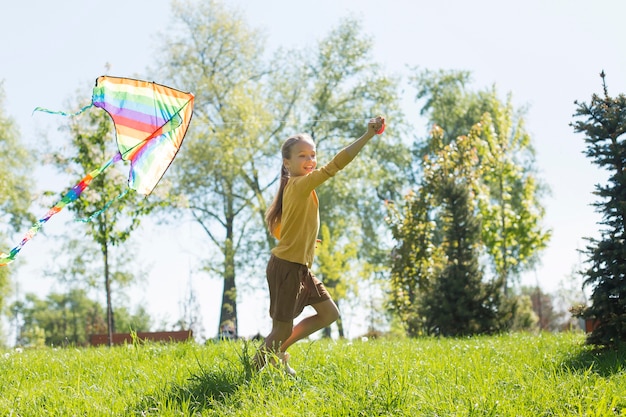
{"x":508,"y":375}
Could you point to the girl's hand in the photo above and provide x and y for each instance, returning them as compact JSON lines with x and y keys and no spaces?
{"x":376,"y":125}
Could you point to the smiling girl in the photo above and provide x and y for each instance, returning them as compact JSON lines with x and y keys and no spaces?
{"x":293,"y":218}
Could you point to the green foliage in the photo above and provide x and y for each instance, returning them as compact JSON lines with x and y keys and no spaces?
{"x":416,"y":257}
{"x":93,"y":138}
{"x":507,"y":189}
{"x":16,"y":161}
{"x":69,"y":318}
{"x":544,"y":309}
{"x":246,"y":106}
{"x":335,"y":266}
{"x":221,"y":174}
{"x":508,"y":375}
{"x":459,"y":303}
{"x":448,"y":103}
{"x":477,"y":145}
{"x":603,"y":122}
{"x":438,"y":284}
{"x":15,"y":188}
{"x":525,"y":318}
{"x":509,"y":205}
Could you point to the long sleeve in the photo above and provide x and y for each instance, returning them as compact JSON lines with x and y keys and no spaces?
{"x":300,"y":218}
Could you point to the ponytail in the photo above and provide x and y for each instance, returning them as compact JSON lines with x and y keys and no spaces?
{"x":275,"y":210}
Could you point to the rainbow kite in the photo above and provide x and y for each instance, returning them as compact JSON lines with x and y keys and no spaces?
{"x":150,"y":121}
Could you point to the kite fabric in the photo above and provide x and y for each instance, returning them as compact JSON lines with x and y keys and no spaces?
{"x":151,"y":121}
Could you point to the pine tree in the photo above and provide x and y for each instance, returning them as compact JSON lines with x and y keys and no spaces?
{"x":604,"y":124}
{"x":438,"y":284}
{"x":460,"y":303}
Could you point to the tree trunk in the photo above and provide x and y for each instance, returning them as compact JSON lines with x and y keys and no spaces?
{"x":107,"y":284}
{"x":228,"y":315}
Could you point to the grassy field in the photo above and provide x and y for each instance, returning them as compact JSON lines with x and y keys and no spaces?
{"x":508,"y":375}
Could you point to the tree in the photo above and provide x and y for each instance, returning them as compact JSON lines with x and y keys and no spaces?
{"x":244,"y":108}
{"x":69,"y":318}
{"x":543,"y":306}
{"x":438,"y":284}
{"x":15,"y":194}
{"x":335,"y":261}
{"x":92,"y":135}
{"x":345,"y":87}
{"x":456,"y":299}
{"x":509,"y":200}
{"x":459,"y":303}
{"x":603,"y":122}
{"x":415,"y":259}
{"x":222,"y":170}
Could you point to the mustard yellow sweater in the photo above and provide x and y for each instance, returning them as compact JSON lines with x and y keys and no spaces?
{"x":300,"y":221}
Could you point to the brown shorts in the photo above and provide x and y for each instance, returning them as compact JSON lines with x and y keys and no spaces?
{"x":292,"y":287}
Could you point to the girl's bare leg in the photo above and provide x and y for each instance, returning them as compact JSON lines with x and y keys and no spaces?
{"x":281,"y":330}
{"x":327,"y":313}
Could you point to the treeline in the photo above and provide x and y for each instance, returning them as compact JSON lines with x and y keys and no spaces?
{"x":442,"y":225}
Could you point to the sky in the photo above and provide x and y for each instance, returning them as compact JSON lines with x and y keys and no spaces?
{"x":546,"y":53}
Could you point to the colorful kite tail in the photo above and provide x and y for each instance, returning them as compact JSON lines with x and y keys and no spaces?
{"x":69,"y":197}
{"x":62,"y":113}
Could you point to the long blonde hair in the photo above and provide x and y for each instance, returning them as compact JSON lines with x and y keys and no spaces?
{"x":274,"y":212}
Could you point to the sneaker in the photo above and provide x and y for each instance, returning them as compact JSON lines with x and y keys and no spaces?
{"x":284,"y":359}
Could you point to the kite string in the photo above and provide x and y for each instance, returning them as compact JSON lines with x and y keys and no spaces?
{"x":257,"y":121}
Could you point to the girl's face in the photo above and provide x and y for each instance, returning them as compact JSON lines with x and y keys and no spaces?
{"x":302,"y":160}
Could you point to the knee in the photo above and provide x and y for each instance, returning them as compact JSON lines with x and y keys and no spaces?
{"x":331,"y":314}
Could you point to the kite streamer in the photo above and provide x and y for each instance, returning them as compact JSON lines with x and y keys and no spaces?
{"x":151,"y":121}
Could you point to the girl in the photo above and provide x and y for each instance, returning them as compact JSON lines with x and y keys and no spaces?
{"x":293,"y":218}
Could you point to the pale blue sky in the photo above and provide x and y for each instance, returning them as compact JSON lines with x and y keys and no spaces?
{"x":546,"y":53}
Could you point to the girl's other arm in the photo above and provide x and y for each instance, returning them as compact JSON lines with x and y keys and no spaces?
{"x":373,"y":126}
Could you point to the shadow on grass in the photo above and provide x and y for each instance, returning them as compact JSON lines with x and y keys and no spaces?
{"x":204,"y":389}
{"x":603,"y":362}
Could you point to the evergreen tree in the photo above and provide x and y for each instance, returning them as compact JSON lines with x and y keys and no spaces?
{"x":459,"y":303}
{"x":509,"y":199}
{"x":603,"y":121}
{"x":438,"y":283}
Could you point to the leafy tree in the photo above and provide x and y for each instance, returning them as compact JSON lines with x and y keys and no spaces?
{"x":335,"y":261}
{"x":525,"y":318}
{"x":244,"y":106}
{"x":509,"y":196}
{"x":344,"y":88}
{"x":458,"y":301}
{"x":603,"y":122}
{"x":437,"y":281}
{"x":238,"y":116}
{"x":15,"y":194}
{"x":509,"y":205}
{"x":415,"y":259}
{"x":69,"y":318}
{"x":447,"y":103}
{"x":92,"y":136}
{"x":548,"y":318}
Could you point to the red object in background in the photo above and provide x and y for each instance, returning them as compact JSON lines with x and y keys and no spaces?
{"x":591,"y":325}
